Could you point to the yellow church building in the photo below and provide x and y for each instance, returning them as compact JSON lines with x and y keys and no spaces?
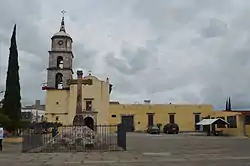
{"x":86,"y":99}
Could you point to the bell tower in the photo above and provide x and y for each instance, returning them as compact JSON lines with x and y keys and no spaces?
{"x":59,"y":69}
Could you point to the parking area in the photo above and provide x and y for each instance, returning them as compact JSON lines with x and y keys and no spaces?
{"x":146,"y":150}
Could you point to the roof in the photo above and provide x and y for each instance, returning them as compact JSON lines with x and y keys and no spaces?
{"x":62,"y":31}
{"x":240,"y":111}
{"x":61,"y":34}
{"x":211,"y":121}
{"x":114,"y":102}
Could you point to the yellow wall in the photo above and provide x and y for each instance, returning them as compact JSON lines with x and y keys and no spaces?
{"x":248,"y":130}
{"x":65,"y":109}
{"x":239,"y":131}
{"x":184,"y":114}
{"x":57,"y":105}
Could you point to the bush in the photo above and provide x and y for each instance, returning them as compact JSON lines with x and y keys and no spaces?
{"x":5,"y":120}
{"x":159,"y":125}
{"x":22,"y":124}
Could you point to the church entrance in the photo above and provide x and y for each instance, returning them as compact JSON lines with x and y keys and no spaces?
{"x":78,"y":120}
{"x":88,"y":121}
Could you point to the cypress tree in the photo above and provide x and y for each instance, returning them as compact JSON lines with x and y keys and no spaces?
{"x":229,"y":104}
{"x":12,"y":96}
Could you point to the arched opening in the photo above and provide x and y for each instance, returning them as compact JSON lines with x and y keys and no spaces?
{"x":88,"y":121}
{"x":59,"y":81}
{"x":59,"y":62}
{"x":78,"y":120}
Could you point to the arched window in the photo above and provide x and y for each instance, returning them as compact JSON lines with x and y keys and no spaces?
{"x":59,"y":81}
{"x":59,"y":62}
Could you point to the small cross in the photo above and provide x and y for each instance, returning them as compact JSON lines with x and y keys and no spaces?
{"x":63,"y":12}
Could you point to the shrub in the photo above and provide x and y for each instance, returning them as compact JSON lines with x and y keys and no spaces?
{"x":5,"y":120}
{"x":159,"y":125}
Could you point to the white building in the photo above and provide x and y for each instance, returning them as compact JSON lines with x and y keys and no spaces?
{"x":34,"y":113}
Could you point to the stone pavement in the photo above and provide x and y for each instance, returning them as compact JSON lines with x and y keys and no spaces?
{"x":145,"y":150}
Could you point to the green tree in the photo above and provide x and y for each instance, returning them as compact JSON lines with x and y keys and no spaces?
{"x":229,"y":104}
{"x":5,"y":121}
{"x":12,"y":96}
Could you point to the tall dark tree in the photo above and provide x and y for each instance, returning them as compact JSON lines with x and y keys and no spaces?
{"x":12,"y":96}
{"x":229,"y":104}
{"x":226,"y":105}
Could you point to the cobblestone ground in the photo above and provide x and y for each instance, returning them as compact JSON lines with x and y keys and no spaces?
{"x":145,"y":150}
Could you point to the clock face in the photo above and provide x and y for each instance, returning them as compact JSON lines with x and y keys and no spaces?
{"x":60,"y":42}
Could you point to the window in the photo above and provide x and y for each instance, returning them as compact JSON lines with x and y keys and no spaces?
{"x":221,"y":125}
{"x":247,"y":119}
{"x":113,"y":116}
{"x":59,"y":62}
{"x":171,"y":118}
{"x":150,"y":119}
{"x":232,"y":121}
{"x":88,"y":105}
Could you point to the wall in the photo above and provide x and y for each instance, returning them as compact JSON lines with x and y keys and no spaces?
{"x":239,"y":131}
{"x":184,"y":114}
{"x":248,"y":130}
{"x":57,"y":105}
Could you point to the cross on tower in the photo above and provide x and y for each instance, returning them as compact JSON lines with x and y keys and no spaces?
{"x":63,"y":12}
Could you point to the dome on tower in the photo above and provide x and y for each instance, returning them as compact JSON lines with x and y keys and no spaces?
{"x":62,"y":32}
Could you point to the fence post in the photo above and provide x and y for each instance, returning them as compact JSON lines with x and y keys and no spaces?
{"x":121,"y":136}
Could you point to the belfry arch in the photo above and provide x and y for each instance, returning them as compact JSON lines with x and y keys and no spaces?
{"x":59,"y":81}
{"x":59,"y":63}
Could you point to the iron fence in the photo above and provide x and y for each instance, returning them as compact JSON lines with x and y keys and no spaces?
{"x":74,"y":139}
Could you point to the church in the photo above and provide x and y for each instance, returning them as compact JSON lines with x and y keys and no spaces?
{"x":86,"y":100}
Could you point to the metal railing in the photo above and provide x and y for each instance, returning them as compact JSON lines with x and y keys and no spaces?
{"x":73,"y":139}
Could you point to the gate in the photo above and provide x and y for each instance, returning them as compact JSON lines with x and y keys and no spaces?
{"x":128,"y":122}
{"x":74,"y":139}
{"x":121,"y":136}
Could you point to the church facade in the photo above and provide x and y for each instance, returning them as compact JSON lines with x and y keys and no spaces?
{"x":84,"y":100}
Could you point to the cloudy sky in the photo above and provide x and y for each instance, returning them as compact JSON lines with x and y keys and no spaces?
{"x":179,"y":51}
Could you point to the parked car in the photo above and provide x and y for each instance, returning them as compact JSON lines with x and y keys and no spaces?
{"x":153,"y":130}
{"x":171,"y":128}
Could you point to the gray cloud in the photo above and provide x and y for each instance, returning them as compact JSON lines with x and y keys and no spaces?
{"x":192,"y":51}
{"x":214,"y":28}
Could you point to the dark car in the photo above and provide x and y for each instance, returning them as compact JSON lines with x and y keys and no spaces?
{"x":153,"y":130}
{"x":171,"y":128}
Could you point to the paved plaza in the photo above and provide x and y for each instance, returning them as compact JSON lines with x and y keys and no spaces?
{"x":145,"y":150}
